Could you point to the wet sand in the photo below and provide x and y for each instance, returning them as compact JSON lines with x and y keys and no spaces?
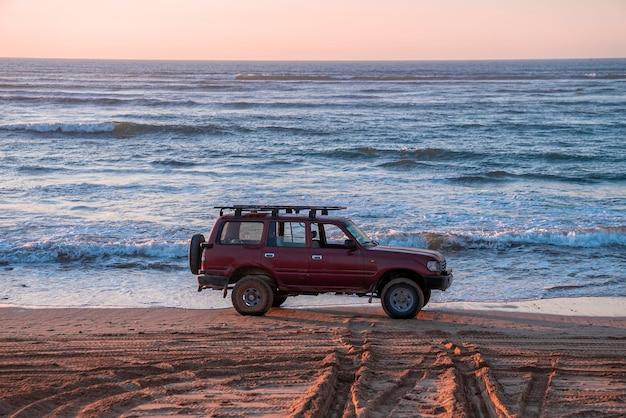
{"x":322,"y":362}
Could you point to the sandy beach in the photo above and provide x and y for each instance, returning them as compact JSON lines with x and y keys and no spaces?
{"x":350,"y":361}
{"x":329,"y":165}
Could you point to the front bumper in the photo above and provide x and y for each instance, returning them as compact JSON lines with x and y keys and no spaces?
{"x":441,"y":282}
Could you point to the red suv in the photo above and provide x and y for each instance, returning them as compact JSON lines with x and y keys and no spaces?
{"x":268,"y":253}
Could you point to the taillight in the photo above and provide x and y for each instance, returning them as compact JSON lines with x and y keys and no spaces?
{"x":203,"y":260}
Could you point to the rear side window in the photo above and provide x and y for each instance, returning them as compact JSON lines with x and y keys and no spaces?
{"x":287,"y":234}
{"x":234,"y":233}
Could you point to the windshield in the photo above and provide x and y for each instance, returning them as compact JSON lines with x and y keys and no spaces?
{"x":359,"y":235}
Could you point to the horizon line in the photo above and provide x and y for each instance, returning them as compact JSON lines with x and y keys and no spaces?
{"x":312,"y":60}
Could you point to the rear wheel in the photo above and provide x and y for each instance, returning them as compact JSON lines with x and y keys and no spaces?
{"x":402,"y":299}
{"x":195,"y":253}
{"x":279,"y":299}
{"x":252,"y":296}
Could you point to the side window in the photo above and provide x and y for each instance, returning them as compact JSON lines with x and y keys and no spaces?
{"x":334,"y":236}
{"x":287,"y":234}
{"x":234,"y":233}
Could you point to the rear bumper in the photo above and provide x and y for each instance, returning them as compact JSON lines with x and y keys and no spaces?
{"x":440,"y":282}
{"x":211,"y":282}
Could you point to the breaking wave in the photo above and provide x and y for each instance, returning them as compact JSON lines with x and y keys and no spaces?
{"x":80,"y":127}
{"x":118,"y":129}
{"x":48,"y":251}
{"x":129,"y":254}
{"x":104,"y":101}
{"x":566,"y":287}
{"x":501,"y":175}
{"x":131,"y":129}
{"x":557,"y":156}
{"x":173,"y":163}
{"x":431,"y":153}
{"x":576,"y":238}
{"x":402,"y":164}
{"x":38,"y":169}
{"x":293,"y":130}
{"x":283,"y":77}
{"x":423,"y":77}
{"x":401,"y":154}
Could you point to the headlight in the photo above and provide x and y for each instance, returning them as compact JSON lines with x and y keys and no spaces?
{"x":433,"y":265}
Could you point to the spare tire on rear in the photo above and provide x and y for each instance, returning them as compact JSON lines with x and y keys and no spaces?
{"x":195,"y":252}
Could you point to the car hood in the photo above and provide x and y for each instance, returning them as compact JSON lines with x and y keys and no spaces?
{"x":408,"y":250}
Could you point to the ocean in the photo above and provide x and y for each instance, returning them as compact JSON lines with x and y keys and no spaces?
{"x":515,"y":170}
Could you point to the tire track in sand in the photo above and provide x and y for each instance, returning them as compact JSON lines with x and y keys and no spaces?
{"x":476,"y":386}
{"x":333,"y":394}
{"x":534,"y":398}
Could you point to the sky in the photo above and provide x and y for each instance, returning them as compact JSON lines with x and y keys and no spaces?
{"x":313,"y":30}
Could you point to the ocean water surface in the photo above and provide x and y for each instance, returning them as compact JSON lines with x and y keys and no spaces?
{"x":515,"y":170}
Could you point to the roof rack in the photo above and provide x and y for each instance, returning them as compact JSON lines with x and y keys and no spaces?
{"x":275,"y":209}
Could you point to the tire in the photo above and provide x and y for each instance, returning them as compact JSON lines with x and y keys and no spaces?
{"x":402,"y":299}
{"x":279,"y":300}
{"x":252,"y":295}
{"x":195,"y":253}
{"x":426,"y":296}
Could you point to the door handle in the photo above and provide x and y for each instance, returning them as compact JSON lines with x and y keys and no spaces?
{"x":316,"y":257}
{"x":269,"y":255}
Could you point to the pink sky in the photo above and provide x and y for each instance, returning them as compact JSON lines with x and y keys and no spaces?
{"x":312,"y":30}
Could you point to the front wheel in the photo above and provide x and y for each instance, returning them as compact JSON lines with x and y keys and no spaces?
{"x":252,"y":296}
{"x":402,"y":299}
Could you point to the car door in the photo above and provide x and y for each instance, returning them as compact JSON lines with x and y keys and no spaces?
{"x":287,"y":253}
{"x":334,"y":264}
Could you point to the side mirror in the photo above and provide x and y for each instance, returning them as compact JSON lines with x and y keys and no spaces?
{"x":350,"y":243}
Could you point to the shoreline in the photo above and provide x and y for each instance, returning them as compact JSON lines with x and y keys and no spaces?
{"x":583,"y":306}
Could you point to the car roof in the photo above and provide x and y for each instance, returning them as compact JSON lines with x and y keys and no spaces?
{"x":284,"y":217}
